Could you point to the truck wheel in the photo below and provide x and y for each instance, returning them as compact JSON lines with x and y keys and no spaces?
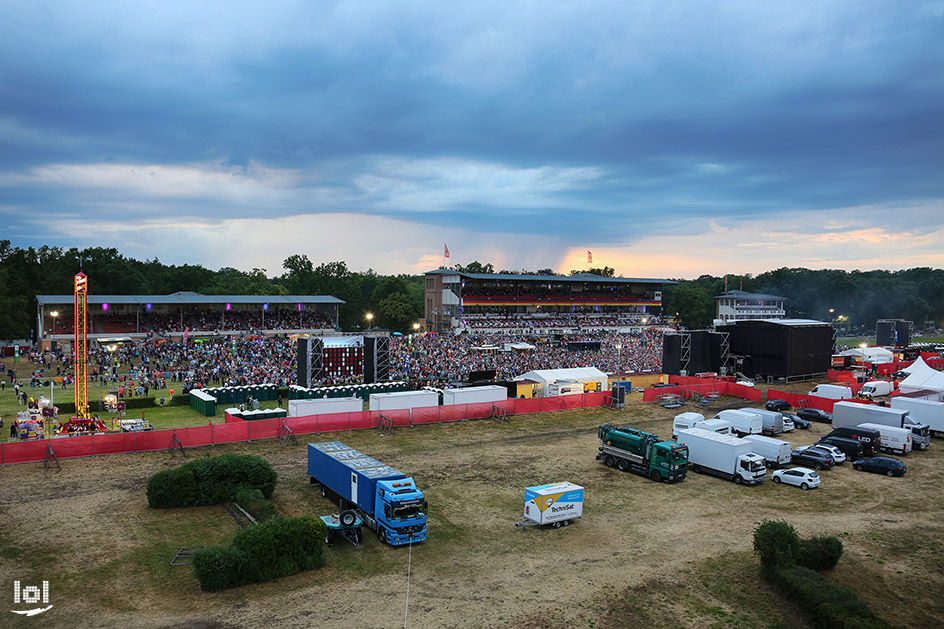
{"x":656,"y":476}
{"x":556,"y":525}
{"x":566,"y":523}
{"x":383,"y":535}
{"x":621,"y":465}
{"x":737,"y":480}
{"x":348,"y":518}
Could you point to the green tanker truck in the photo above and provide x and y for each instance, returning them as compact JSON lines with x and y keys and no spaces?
{"x":628,"y":449}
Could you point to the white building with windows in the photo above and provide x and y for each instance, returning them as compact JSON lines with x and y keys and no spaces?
{"x":736,"y":305}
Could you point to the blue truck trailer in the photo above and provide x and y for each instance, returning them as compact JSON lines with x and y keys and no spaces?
{"x":387,"y":500}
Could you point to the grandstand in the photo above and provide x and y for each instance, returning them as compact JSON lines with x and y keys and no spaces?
{"x":456,"y":301}
{"x":140,"y":316}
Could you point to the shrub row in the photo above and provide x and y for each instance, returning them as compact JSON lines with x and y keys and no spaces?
{"x":210,"y":481}
{"x":778,"y":544}
{"x":266,"y":551}
{"x":791,"y":564}
{"x":254,"y":502}
{"x":827,"y":605}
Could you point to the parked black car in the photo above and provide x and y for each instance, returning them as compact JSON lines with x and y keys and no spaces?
{"x":852,"y":448}
{"x":778,"y":405}
{"x":798,"y":422}
{"x":881,"y":465}
{"x":815,"y":415}
{"x":817,"y":459}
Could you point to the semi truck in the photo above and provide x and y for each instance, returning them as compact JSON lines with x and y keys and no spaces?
{"x":930,"y":412}
{"x":725,"y":456}
{"x":628,"y":449}
{"x":853,"y":414}
{"x":387,"y":500}
{"x":775,"y":451}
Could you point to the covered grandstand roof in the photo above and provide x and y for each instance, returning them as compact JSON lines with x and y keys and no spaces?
{"x":189,"y":297}
{"x":580,"y":277}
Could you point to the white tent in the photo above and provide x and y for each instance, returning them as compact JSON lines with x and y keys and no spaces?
{"x":921,"y":376}
{"x":577,"y":374}
{"x":874,"y":355}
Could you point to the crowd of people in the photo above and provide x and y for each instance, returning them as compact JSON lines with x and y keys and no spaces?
{"x":441,"y":359}
{"x":156,"y":365}
{"x":557,"y":321}
{"x":234,"y":320}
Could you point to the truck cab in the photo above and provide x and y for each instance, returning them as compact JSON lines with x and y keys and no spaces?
{"x":402,"y":516}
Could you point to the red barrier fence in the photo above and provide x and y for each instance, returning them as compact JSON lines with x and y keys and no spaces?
{"x":235,"y":429}
{"x":701,"y":387}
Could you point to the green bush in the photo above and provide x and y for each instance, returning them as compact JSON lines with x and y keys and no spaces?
{"x":829,"y":606}
{"x":266,"y":551}
{"x":172,"y":488}
{"x":254,"y":502}
{"x":777,"y":543}
{"x":220,"y":568}
{"x":819,"y":553}
{"x":211,"y":481}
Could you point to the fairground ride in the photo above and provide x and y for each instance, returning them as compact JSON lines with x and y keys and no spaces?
{"x":81,"y":346}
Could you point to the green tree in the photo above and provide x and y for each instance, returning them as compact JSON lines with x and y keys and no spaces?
{"x":475,"y":267}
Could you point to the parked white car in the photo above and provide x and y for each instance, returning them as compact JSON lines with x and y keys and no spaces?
{"x":802,"y":477}
{"x":837,"y":454}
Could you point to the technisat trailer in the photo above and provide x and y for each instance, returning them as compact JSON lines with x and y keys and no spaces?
{"x":557,"y":504}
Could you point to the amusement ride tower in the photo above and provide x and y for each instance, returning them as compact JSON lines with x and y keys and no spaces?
{"x":81,"y":346}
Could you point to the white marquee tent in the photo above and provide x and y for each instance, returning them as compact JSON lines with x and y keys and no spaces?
{"x":576,"y":374}
{"x":921,"y":376}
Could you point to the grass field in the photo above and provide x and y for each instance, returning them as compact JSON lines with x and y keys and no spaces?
{"x":664,"y":555}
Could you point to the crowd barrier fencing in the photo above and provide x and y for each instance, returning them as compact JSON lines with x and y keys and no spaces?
{"x":234,"y":429}
{"x":688,"y":390}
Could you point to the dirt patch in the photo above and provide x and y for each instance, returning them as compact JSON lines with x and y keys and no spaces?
{"x":666,"y":555}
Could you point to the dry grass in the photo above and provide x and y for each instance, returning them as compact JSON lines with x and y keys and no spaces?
{"x":664,"y":555}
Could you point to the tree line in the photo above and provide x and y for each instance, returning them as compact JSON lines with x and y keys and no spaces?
{"x":396,"y":301}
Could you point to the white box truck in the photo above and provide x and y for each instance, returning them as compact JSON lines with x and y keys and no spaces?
{"x":774,"y":422}
{"x":743,"y":422}
{"x":723,"y":455}
{"x":854,"y":413}
{"x":557,"y":504}
{"x":774,"y":451}
{"x":923,"y":411}
{"x":893,"y":439}
{"x":402,"y":400}
{"x":832,"y":391}
{"x":474,"y":395}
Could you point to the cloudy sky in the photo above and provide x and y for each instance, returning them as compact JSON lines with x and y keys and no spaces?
{"x":671,"y":139}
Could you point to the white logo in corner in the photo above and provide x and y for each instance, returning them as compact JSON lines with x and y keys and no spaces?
{"x":31,"y":595}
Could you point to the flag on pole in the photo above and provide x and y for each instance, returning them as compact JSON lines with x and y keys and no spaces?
{"x":742,"y":282}
{"x":589,"y":257}
{"x":446,"y":254}
{"x":726,"y":282}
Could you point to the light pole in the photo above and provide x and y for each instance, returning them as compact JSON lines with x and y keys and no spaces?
{"x":619,"y":354}
{"x":369,"y":316}
{"x":54,"y":314}
{"x":416,"y":328}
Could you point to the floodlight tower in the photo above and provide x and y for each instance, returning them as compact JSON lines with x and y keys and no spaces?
{"x":81,"y":346}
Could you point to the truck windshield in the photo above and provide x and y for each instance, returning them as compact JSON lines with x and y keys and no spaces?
{"x":679,"y":454}
{"x":408,"y":512}
{"x":757,"y":466}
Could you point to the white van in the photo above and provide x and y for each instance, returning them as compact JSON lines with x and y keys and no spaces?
{"x":774,"y":451}
{"x":893,"y":439}
{"x":743,"y":422}
{"x":716,"y":425}
{"x":684,"y":421}
{"x":832,"y":392}
{"x":875,"y":388}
